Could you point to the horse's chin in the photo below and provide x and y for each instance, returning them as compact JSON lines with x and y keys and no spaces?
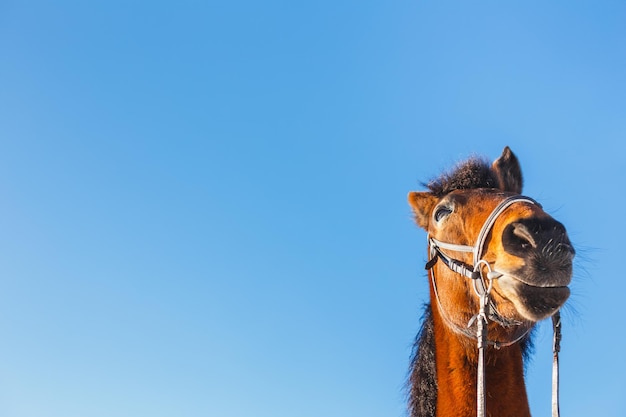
{"x":531,"y":302}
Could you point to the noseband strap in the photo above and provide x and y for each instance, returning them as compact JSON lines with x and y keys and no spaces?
{"x":453,"y":264}
{"x":487,"y":310}
{"x":500,"y":208}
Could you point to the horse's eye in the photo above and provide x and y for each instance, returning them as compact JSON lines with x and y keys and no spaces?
{"x":442,"y":212}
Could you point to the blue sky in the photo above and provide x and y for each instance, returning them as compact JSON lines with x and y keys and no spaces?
{"x":204,"y":203}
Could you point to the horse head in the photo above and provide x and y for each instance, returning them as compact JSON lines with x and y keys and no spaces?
{"x":527,"y":252}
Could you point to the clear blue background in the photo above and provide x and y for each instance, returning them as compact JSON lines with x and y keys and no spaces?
{"x":203,"y":204}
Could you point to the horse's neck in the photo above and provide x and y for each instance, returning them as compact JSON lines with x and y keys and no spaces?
{"x":457,"y":364}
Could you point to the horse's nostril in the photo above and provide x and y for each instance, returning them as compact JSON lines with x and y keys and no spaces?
{"x":544,"y":237}
{"x":522,"y":235}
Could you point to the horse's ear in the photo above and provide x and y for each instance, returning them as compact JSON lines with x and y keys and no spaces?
{"x":422,"y":204}
{"x":508,"y":172}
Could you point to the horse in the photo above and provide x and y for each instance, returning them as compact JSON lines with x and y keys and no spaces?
{"x":497,"y":265}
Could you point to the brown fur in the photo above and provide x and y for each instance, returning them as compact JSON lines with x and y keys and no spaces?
{"x":533,"y":287}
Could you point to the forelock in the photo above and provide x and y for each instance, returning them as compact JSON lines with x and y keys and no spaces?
{"x":471,"y":174}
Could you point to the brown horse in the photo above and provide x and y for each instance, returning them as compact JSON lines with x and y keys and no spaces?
{"x":487,"y":245}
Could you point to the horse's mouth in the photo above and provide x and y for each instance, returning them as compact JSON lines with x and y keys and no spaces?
{"x":531,"y":301}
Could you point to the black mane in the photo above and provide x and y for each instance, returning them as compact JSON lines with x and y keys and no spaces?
{"x":473,"y":173}
{"x":423,"y":372}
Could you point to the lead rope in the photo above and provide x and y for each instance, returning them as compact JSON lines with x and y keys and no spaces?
{"x":481,"y":333}
{"x":556,"y":348}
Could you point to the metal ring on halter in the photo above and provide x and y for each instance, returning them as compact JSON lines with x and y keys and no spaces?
{"x":487,"y":289}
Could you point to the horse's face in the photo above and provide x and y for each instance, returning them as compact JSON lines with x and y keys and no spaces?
{"x":527,"y":246}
